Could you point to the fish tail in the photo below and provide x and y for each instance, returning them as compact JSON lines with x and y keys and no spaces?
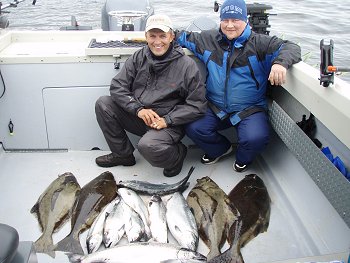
{"x":69,"y":244}
{"x":74,"y":258}
{"x":214,"y":252}
{"x":44,"y":244}
{"x":235,"y":247}
{"x":231,"y":255}
{"x":148,"y":234}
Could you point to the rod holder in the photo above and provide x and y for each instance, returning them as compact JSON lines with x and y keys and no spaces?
{"x":326,"y":76}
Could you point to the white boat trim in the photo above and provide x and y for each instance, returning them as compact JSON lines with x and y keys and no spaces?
{"x":304,"y":222}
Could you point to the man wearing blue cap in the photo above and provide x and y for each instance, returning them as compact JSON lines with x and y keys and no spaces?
{"x":240,"y":63}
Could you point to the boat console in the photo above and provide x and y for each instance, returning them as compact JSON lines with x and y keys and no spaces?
{"x":124,"y":15}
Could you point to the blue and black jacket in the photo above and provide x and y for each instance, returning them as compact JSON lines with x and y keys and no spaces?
{"x":238,"y":70}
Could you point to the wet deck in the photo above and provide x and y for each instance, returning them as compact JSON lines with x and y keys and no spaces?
{"x":302,"y":223}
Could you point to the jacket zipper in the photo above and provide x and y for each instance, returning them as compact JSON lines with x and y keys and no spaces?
{"x":147,"y":84}
{"x":253,"y":76}
{"x":227,"y":74}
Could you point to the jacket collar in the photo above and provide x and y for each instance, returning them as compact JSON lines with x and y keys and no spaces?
{"x":158,"y":65}
{"x":238,"y":42}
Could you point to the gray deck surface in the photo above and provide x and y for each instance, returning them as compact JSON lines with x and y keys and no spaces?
{"x":302,"y":222}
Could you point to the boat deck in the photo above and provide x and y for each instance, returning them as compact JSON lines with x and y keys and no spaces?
{"x":303,"y":223}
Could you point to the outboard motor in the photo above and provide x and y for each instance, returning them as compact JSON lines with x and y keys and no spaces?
{"x":258,"y":18}
{"x":125,"y":15}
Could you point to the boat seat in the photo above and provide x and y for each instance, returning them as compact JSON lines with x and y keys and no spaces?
{"x":9,"y":243}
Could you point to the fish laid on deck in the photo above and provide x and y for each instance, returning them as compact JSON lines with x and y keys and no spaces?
{"x":184,"y":261}
{"x":145,"y":252}
{"x":134,"y":226}
{"x":52,"y":210}
{"x":95,"y":234}
{"x":181,"y":221}
{"x":159,"y":189}
{"x":132,"y":199}
{"x":157,"y":218}
{"x":114,"y":227}
{"x":93,"y":197}
{"x":213,"y":212}
{"x":251,"y":198}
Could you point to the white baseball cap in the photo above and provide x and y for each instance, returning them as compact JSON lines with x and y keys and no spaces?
{"x":161,"y":22}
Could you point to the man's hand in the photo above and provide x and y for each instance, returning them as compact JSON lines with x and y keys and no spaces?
{"x":148,"y":116}
{"x":159,"y":124}
{"x":277,"y":75}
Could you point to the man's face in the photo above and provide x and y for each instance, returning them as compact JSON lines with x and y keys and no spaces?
{"x":159,"y":41}
{"x":232,"y":28}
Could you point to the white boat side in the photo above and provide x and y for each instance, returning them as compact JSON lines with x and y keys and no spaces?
{"x":51,"y":80}
{"x":330,"y":105}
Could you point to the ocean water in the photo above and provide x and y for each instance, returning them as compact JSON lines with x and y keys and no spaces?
{"x":305,"y":22}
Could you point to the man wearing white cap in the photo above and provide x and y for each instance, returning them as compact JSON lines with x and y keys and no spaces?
{"x":158,"y":90}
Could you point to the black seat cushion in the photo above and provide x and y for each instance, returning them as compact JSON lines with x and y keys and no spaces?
{"x":9,"y":240}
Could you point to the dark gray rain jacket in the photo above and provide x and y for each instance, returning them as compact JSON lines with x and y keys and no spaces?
{"x":172,"y":87}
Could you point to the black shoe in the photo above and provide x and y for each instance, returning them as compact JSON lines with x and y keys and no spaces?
{"x":170,"y":172}
{"x":207,"y":160}
{"x":110,"y":160}
{"x":239,"y":167}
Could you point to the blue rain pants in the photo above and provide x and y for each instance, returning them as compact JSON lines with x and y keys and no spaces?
{"x":252,"y":134}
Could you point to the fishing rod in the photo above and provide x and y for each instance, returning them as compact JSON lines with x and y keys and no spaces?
{"x":327,"y":68}
{"x":3,"y":20}
{"x":338,"y":69}
{"x":12,"y":4}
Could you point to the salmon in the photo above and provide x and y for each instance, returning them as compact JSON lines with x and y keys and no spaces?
{"x":147,"y":188}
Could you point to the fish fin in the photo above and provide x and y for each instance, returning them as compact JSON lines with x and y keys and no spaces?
{"x":69,"y":244}
{"x":44,"y":244}
{"x":233,"y":253}
{"x":35,"y":208}
{"x":59,"y":224}
{"x":194,"y":243}
{"x":183,"y":184}
{"x":35,"y":212}
{"x":54,"y":197}
{"x":190,"y":172}
{"x":74,"y":258}
{"x":51,"y":253}
{"x":234,"y":250}
{"x":214,"y":252}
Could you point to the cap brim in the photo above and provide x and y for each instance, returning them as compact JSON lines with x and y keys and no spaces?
{"x":161,"y":27}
